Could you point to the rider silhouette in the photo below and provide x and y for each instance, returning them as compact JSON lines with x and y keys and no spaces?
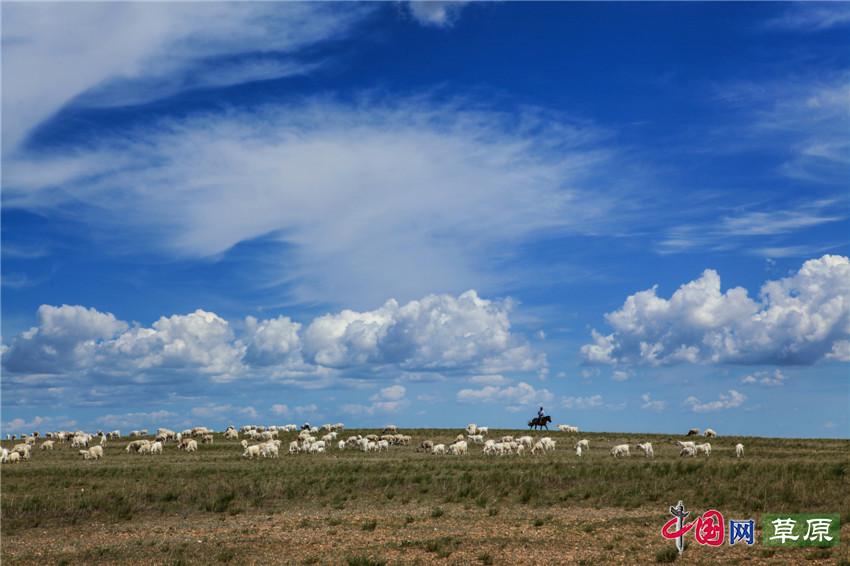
{"x":540,"y":413}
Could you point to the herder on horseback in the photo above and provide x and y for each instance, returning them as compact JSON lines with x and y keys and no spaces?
{"x":541,"y":420}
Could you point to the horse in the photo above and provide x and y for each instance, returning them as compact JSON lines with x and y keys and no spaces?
{"x":540,"y":422}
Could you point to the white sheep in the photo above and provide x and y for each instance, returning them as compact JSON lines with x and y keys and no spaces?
{"x":439,"y":449}
{"x":583,"y":444}
{"x":156,"y":448}
{"x":390,"y":428}
{"x":93,"y":453}
{"x":459,"y":448}
{"x":578,"y":450}
{"x":425,"y":446}
{"x":47,"y":445}
{"x":688,"y":444}
{"x":14,"y":458}
{"x":620,"y":450}
{"x":693,"y":432}
{"x":739,"y":450}
{"x":188,"y":444}
{"x":252,"y":452}
{"x":475,"y":438}
{"x":709,"y":433}
{"x":704,"y":449}
{"x":471,"y":429}
{"x":341,"y":445}
{"x":647,"y":449}
{"x":687,"y":451}
{"x":4,"y":454}
{"x":483,"y":430}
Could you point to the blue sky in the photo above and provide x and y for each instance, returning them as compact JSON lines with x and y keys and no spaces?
{"x":427,"y":214}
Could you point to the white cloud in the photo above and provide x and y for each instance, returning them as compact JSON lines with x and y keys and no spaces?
{"x":281,"y":410}
{"x":466,"y":334}
{"x":766,"y":378}
{"x":350,"y":198}
{"x":521,"y":396}
{"x":272,"y":342}
{"x":392,"y":393}
{"x":390,"y":400}
{"x":801,"y":319}
{"x":128,"y":53}
{"x":436,"y":13}
{"x":494,"y":379}
{"x":200,"y":340}
{"x":810,"y":17}
{"x":65,"y":339}
{"x":730,"y":401}
{"x":150,"y":421}
{"x":436,"y":332}
{"x":581,"y":402}
{"x":652,"y":405}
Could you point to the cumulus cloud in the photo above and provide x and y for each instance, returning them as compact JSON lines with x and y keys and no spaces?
{"x":100,"y":357}
{"x":519,"y":397}
{"x":65,"y":339}
{"x":730,"y":401}
{"x":799,"y":320}
{"x":438,"y":332}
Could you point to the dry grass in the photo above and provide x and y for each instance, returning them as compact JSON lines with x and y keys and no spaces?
{"x":348,"y":507}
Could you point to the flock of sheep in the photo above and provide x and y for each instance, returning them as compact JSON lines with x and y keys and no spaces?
{"x":313,"y":440}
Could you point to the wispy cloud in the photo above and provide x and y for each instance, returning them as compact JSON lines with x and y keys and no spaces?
{"x":129,"y":53}
{"x":810,"y":17}
{"x":408,"y":195}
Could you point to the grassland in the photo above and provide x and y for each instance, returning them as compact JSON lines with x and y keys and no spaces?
{"x":214,"y":507}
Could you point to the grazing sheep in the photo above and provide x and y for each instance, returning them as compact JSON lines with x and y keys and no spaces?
{"x":578,"y":450}
{"x":390,"y":428}
{"x":739,"y":450}
{"x":425,"y":446}
{"x":47,"y":445}
{"x":252,"y":452}
{"x":4,"y":454}
{"x":135,"y":445}
{"x":620,"y":450}
{"x":704,"y":449}
{"x":341,"y":445}
{"x":647,"y":449}
{"x":583,"y":444}
{"x":207,"y":439}
{"x":459,"y":448}
{"x":483,"y":430}
{"x":471,"y":429}
{"x":439,"y":449}
{"x":96,"y":452}
{"x":693,"y":432}
{"x":687,"y":451}
{"x":688,"y":444}
{"x":145,"y":448}
{"x":231,"y":434}
{"x":156,"y":448}
{"x":188,"y":444}
{"x":14,"y":458}
{"x":709,"y":433}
